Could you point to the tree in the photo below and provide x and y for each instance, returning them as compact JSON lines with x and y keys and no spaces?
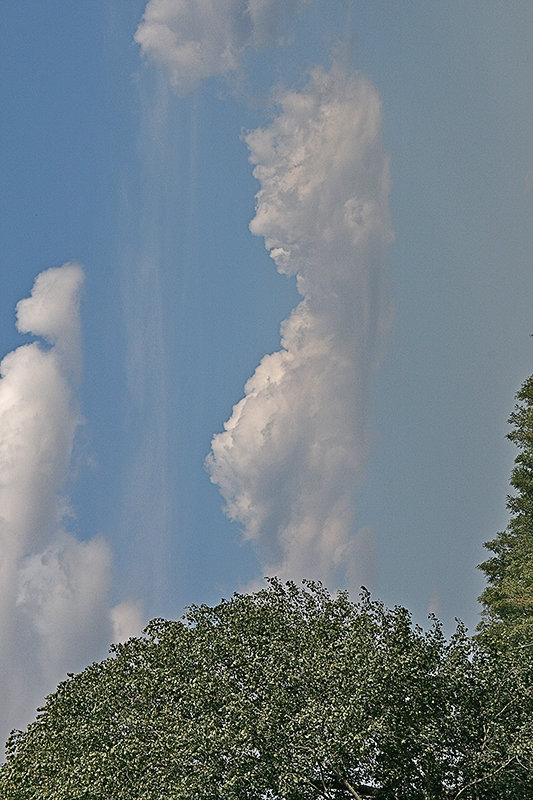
{"x":508,"y":599}
{"x":286,"y":694}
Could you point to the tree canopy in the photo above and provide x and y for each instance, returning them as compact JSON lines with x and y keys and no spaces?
{"x":508,"y":598}
{"x":286,"y":694}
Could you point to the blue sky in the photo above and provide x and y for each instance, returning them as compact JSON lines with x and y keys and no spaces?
{"x":371,"y":447}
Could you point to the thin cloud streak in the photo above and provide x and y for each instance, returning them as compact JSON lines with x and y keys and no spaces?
{"x":54,"y":612}
{"x":147,"y":496}
{"x":291,"y":459}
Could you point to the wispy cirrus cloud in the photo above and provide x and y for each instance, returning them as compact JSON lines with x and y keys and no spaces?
{"x":54,"y":607}
{"x":291,"y":459}
{"x":198,"y":39}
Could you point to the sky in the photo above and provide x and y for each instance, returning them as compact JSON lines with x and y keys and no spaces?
{"x":265,"y":302}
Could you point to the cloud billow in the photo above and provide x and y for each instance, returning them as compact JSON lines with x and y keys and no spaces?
{"x":198,"y":39}
{"x":291,"y":459}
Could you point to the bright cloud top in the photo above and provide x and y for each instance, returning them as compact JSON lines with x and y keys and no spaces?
{"x":52,"y":311}
{"x":197,"y":39}
{"x":291,"y":458}
{"x":54,"y":612}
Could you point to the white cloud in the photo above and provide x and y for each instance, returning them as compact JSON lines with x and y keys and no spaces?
{"x":127,"y":619}
{"x":53,"y":311}
{"x":54,"y":613}
{"x":434,"y":604}
{"x":292,"y":456}
{"x":62,"y":595}
{"x":197,"y":39}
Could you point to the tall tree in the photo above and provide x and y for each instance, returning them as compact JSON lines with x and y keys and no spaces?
{"x":508,"y":598}
{"x":286,"y":694}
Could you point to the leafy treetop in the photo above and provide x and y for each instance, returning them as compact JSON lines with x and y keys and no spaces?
{"x":286,"y":694}
{"x":508,"y":598}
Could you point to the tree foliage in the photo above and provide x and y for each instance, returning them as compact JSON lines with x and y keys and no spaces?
{"x":286,"y":694}
{"x":508,"y":598}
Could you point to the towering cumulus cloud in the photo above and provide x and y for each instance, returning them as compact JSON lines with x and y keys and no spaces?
{"x":291,"y":458}
{"x":197,"y":39}
{"x":53,"y":603}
